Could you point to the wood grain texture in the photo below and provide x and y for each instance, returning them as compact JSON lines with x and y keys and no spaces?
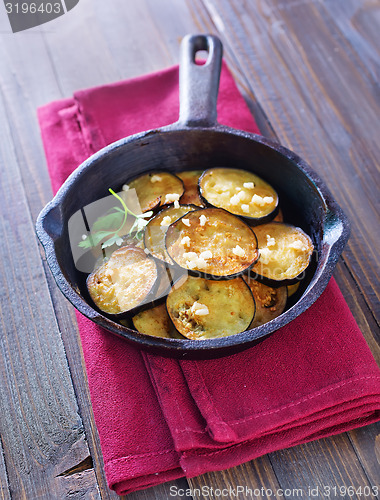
{"x":307,"y":70}
{"x":254,"y":477}
{"x":5,"y":494}
{"x":305,"y":466}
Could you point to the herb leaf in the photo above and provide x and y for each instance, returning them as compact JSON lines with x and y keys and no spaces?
{"x":112,"y":221}
{"x":110,"y":224}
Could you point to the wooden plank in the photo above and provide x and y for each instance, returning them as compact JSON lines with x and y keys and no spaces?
{"x":165,"y":491}
{"x":359,"y":308}
{"x":366,"y":442}
{"x":256,"y":478}
{"x":41,"y":430}
{"x":359,"y":22}
{"x":5,"y":493}
{"x":322,"y":100}
{"x":294,"y":469}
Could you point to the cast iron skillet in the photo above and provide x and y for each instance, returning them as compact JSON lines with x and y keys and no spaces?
{"x":197,"y":141}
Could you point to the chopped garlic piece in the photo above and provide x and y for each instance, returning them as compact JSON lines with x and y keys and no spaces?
{"x":194,"y":261}
{"x":170,"y":197}
{"x":202,"y":220}
{"x":166,"y":221}
{"x":176,"y":204}
{"x":197,"y":262}
{"x":298,"y":245}
{"x":190,"y":255}
{"x":259,"y":200}
{"x":234,"y":199}
{"x":200,"y":263}
{"x":186,"y":222}
{"x":190,"y":264}
{"x":265,"y":254}
{"x":155,"y":178}
{"x":125,"y":187}
{"x":199,"y":309}
{"x":237,"y":198}
{"x":207,"y":254}
{"x":249,"y":185}
{"x":270,"y":241}
{"x":185,"y":241}
{"x":245,"y":208}
{"x":238,"y":251}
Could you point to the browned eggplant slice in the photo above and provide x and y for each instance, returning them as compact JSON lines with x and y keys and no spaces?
{"x":157,"y":189}
{"x":240,"y":192}
{"x":190,"y":180}
{"x":126,"y":281}
{"x":156,"y":322}
{"x":155,"y":231}
{"x":279,"y":217}
{"x":205,"y":309}
{"x":293,"y":288}
{"x":270,"y":302}
{"x":212,"y":242}
{"x":285,"y":253}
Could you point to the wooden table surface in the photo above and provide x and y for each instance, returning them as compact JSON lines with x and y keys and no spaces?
{"x":309,"y":71}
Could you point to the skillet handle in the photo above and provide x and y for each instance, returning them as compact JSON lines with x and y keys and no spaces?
{"x":199,"y":84}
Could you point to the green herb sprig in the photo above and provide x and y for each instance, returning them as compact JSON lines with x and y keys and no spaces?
{"x":116,"y":217}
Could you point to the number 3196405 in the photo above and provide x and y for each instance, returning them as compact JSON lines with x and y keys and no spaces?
{"x":33,"y":8}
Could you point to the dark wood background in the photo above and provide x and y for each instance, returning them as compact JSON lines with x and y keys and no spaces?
{"x":309,"y":70}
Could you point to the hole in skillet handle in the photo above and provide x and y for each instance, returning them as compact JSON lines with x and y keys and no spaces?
{"x":201,"y":57}
{"x":199,"y":83}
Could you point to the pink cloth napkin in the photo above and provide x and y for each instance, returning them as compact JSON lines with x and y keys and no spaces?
{"x":159,"y":418}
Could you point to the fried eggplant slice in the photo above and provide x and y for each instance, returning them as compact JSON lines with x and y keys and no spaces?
{"x":285,"y":253}
{"x":205,"y":309}
{"x":212,"y":242}
{"x":190,"y":180}
{"x":155,"y":231}
{"x":240,"y":192}
{"x":270,"y":302}
{"x":156,"y":322}
{"x":279,"y":217}
{"x":123,"y":283}
{"x":292,"y":289}
{"x":157,"y":189}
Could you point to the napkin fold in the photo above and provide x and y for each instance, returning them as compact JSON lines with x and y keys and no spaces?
{"x":160,"y":418}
